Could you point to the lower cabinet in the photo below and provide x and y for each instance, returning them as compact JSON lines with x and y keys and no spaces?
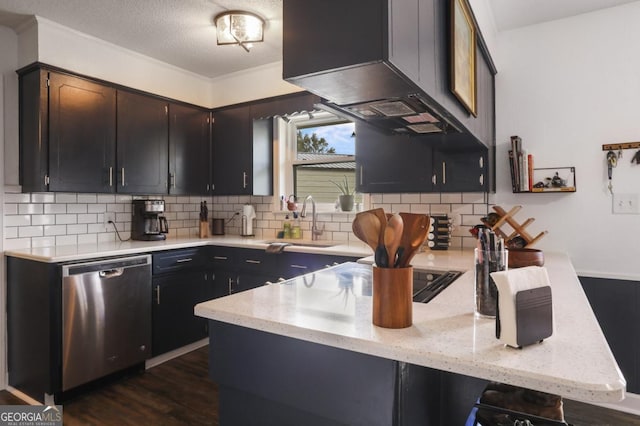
{"x":174,"y":296}
{"x":616,"y":305}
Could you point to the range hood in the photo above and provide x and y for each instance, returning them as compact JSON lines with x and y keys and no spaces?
{"x":379,"y":95}
{"x":381,"y":62}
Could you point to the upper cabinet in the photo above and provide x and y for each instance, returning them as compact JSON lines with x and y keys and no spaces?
{"x":396,"y":164}
{"x":82,"y":135}
{"x":232,"y":151}
{"x":242,"y":147}
{"x":387,"y":63}
{"x":143,"y":144}
{"x":67,"y":132}
{"x":189,"y":150}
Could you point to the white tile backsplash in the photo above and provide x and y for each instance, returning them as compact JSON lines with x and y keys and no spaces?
{"x":40,"y":220}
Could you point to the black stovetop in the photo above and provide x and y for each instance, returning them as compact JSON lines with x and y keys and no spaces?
{"x":428,"y":284}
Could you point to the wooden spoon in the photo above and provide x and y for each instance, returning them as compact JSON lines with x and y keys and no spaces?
{"x":416,"y":229}
{"x":392,"y":237}
{"x":366,"y":226}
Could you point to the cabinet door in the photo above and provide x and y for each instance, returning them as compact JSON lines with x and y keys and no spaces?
{"x":460,"y":171}
{"x":174,"y":296}
{"x":391,"y":164}
{"x":189,"y":152}
{"x":616,"y":306}
{"x":82,"y":138}
{"x":143,"y":147}
{"x":232,"y":151}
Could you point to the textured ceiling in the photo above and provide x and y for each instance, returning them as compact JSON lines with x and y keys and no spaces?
{"x":180,"y":32}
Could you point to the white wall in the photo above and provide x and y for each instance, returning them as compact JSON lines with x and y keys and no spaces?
{"x":8,"y":131}
{"x":567,"y":87}
{"x":255,"y":83}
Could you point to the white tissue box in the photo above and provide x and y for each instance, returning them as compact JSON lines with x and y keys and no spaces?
{"x":525,"y":314}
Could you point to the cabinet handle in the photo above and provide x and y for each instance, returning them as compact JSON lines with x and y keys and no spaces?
{"x":254,"y":262}
{"x":157,"y":295}
{"x":434,"y":179}
{"x":110,"y":176}
{"x":244,"y":179}
{"x":220,"y":257}
{"x":299,"y":266}
{"x":186,"y":259}
{"x":481,"y":179}
{"x":444,"y":173}
{"x":361,"y":173}
{"x":481,"y":161}
{"x":122,"y":176}
{"x":172,"y":180}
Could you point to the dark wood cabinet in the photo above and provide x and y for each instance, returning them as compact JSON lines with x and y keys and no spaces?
{"x":395,"y":164}
{"x":67,"y":133}
{"x":189,"y":150}
{"x":616,"y":305}
{"x":460,"y":171}
{"x":174,"y":324}
{"x":232,"y":152}
{"x":180,"y":281}
{"x":143,"y":144}
{"x":392,"y":163}
{"x":242,"y":153}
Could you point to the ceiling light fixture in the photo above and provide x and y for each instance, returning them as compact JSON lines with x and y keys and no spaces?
{"x":238,"y":27}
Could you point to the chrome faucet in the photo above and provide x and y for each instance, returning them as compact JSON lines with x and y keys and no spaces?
{"x":315,"y":232}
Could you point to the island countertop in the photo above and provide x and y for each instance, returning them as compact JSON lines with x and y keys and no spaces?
{"x":333,"y":307}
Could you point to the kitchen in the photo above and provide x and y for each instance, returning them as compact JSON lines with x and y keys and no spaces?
{"x":579,"y":68}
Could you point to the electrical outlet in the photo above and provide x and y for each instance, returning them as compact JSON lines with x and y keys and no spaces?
{"x":625,"y":204}
{"x":109,"y":216}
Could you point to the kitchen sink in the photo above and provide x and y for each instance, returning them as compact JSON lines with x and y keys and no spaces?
{"x":302,"y":243}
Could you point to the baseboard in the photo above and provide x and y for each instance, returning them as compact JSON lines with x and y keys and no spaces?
{"x":22,"y":396}
{"x":150,"y":363}
{"x":630,"y":404}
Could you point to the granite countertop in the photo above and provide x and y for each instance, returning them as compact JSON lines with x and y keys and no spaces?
{"x":71,"y":253}
{"x":333,"y":307}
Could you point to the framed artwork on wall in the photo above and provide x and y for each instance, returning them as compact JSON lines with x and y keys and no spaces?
{"x":463,"y":55}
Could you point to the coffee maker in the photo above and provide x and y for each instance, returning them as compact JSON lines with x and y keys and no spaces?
{"x":147,"y":224}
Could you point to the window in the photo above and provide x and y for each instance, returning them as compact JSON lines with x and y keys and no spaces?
{"x":315,"y":150}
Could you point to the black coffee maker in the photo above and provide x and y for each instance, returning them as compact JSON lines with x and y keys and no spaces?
{"x":147,"y":224}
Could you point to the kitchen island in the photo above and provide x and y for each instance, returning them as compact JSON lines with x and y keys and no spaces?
{"x":306,"y":349}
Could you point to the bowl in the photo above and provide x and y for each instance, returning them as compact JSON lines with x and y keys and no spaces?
{"x":521,"y":257}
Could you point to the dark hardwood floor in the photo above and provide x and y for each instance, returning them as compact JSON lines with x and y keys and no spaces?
{"x":179,"y":392}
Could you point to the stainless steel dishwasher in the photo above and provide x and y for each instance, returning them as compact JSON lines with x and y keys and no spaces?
{"x":106,"y":323}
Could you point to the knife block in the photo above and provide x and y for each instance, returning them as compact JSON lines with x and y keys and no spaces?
{"x":204,"y":230}
{"x":392,"y":297}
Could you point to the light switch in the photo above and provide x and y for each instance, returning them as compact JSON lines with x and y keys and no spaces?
{"x":625,"y":204}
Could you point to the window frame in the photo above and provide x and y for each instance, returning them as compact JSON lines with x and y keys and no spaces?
{"x":285,"y":156}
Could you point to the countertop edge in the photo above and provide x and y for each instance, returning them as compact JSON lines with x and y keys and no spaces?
{"x":601,"y":393}
{"x":70,"y":253}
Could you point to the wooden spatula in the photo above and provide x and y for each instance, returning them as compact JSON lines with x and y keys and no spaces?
{"x":416,"y":229}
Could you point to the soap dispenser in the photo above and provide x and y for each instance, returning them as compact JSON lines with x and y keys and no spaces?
{"x":286,"y":226}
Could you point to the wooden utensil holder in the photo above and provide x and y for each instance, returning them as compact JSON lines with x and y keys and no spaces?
{"x":392,"y":297}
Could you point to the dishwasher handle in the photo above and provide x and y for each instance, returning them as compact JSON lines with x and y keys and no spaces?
{"x":107,"y":268}
{"x":111,"y":273}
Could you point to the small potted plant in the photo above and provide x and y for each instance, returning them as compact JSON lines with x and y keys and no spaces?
{"x":347,"y":197}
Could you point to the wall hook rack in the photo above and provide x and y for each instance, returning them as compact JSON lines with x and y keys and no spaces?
{"x":619,"y":146}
